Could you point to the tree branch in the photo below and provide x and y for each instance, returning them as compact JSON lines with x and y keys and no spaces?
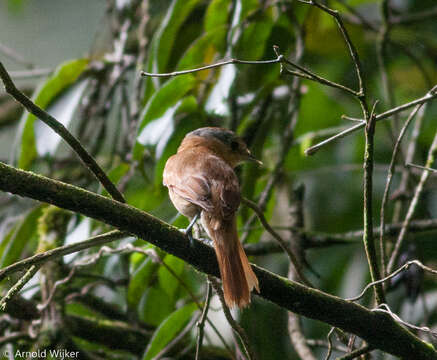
{"x":377,"y":329}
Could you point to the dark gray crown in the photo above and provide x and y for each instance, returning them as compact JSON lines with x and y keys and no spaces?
{"x":224,"y":135}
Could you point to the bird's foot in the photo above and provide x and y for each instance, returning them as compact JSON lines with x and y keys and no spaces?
{"x":189,"y":230}
{"x":206,"y":241}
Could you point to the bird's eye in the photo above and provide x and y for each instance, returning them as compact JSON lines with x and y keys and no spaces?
{"x":234,"y":145}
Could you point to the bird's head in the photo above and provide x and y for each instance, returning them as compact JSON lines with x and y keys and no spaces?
{"x":224,"y":143}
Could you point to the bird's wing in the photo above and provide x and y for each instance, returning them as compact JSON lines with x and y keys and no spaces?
{"x":208,"y":182}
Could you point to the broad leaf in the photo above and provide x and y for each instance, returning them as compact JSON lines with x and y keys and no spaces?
{"x":65,"y":75}
{"x":19,"y":237}
{"x":140,"y":280}
{"x":168,"y":330}
{"x":167,"y":280}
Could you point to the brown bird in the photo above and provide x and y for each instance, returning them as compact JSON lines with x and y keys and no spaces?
{"x":201,"y":182}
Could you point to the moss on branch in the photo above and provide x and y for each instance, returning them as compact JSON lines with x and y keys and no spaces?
{"x":377,"y":329}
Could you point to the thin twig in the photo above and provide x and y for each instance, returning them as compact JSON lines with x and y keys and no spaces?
{"x":383,"y":36}
{"x":235,"y":326}
{"x":18,"y":286}
{"x":279,"y":239}
{"x":303,"y":72}
{"x":26,"y":74}
{"x":393,"y":274}
{"x":325,"y":344}
{"x":358,"y":19}
{"x":329,"y":352}
{"x":413,"y":205}
{"x":212,"y":66}
{"x":352,"y":50}
{"x":409,"y":18}
{"x":358,"y":352}
{"x":13,"y":55}
{"x":421,"y":167}
{"x":308,"y":74}
{"x":368,"y":239}
{"x":399,"y":320}
{"x":388,"y":184}
{"x":62,"y":251}
{"x":406,"y":171}
{"x":297,"y":220}
{"x":432,"y":94}
{"x":201,"y":323}
{"x":176,"y":339}
{"x":60,"y":129}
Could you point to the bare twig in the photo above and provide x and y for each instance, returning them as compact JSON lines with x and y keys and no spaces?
{"x":13,"y":55}
{"x":297,"y":220}
{"x":413,"y":205}
{"x":18,"y":286}
{"x":62,"y":251}
{"x":212,"y":66}
{"x":358,"y":352}
{"x":387,"y":186}
{"x":201,"y":323}
{"x":432,"y":94}
{"x":383,"y":36}
{"x":329,"y":352}
{"x":357,"y":18}
{"x":278,"y":238}
{"x":393,"y":274}
{"x":385,"y":309}
{"x":303,"y":72}
{"x":421,"y":167}
{"x":368,"y":239}
{"x":235,"y":326}
{"x":60,"y":129}
{"x":176,"y":339}
{"x":352,"y":50}
{"x":416,"y":17}
{"x":325,"y":344}
{"x":25,"y":74}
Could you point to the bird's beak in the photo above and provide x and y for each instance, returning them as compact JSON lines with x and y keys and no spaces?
{"x":252,"y":158}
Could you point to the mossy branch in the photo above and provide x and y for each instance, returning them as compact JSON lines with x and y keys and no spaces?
{"x":377,"y":329}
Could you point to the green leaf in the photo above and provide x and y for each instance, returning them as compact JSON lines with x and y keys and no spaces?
{"x":216,"y":15}
{"x":140,"y":280}
{"x":155,"y":306}
{"x":19,"y":237}
{"x":252,"y":43}
{"x":176,"y":15}
{"x":168,"y":330}
{"x":116,"y":174}
{"x":157,"y":118}
{"x":65,"y":75}
{"x":247,"y":7}
{"x":62,"y":108}
{"x":167,"y":280}
{"x":203,"y":50}
{"x":166,"y":97}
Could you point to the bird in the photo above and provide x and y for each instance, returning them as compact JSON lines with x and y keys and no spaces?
{"x":201,"y":182}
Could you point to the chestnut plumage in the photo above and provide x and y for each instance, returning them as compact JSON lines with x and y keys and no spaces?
{"x":200,"y":178}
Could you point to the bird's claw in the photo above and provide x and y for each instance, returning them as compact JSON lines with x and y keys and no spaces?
{"x":189,"y":230}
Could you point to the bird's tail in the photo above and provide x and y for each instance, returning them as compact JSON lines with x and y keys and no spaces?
{"x":237,"y":275}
